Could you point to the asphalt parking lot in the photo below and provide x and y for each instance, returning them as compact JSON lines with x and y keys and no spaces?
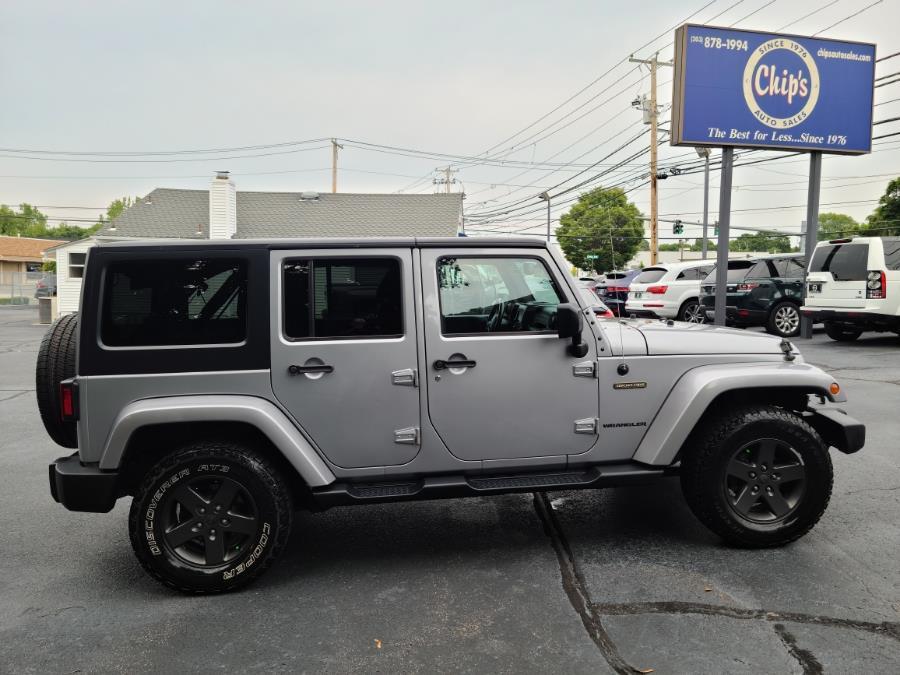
{"x":619,"y":580}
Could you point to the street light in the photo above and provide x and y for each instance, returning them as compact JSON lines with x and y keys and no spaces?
{"x":546,"y":197}
{"x":704,"y":154}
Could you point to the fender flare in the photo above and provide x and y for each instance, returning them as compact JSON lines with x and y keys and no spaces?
{"x":257,"y":412}
{"x":697,"y":388}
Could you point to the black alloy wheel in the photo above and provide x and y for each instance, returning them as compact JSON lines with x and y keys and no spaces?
{"x":765,"y":481}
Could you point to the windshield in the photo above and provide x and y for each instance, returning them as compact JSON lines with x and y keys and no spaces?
{"x":846,"y":262}
{"x":650,"y":275}
{"x":737,"y":270}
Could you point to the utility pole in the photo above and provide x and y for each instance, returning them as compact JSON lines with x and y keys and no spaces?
{"x":447,"y":180}
{"x":704,"y":153}
{"x":651,"y":117}
{"x":546,"y":197}
{"x":335,"y":146}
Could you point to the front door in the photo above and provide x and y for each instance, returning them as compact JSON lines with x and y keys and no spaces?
{"x":344,"y":360}
{"x":501,"y":384}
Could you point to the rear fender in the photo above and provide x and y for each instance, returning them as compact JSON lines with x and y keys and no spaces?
{"x":257,"y":412}
{"x":698,"y":388}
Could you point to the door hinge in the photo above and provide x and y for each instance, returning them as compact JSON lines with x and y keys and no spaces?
{"x":586,"y":426}
{"x":408,"y":377}
{"x":407,"y":436}
{"x":585,"y":369}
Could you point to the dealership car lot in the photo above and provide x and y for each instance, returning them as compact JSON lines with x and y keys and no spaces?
{"x":582,"y":582}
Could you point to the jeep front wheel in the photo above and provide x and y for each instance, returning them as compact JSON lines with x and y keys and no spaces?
{"x":210,"y":517}
{"x":759,"y":476}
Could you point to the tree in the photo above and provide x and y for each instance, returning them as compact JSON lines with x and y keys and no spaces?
{"x":602,"y":231}
{"x":759,"y":241}
{"x":836,"y":226}
{"x":885,"y":220}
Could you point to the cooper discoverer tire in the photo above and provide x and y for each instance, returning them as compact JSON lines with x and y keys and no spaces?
{"x":55,"y":363}
{"x":758,"y":476}
{"x":210,"y":517}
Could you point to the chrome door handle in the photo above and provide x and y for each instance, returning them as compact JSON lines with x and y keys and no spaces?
{"x":301,"y":370}
{"x":444,"y":365}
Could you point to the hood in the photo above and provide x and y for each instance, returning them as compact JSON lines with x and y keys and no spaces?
{"x":688,"y":338}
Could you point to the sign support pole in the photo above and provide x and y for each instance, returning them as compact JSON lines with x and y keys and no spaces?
{"x":812,"y":227}
{"x":722,"y":241}
{"x":705,"y":244}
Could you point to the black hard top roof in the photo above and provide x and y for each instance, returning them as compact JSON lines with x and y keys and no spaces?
{"x":325,"y":242}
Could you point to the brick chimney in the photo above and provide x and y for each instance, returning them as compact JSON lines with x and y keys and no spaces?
{"x":222,"y":207}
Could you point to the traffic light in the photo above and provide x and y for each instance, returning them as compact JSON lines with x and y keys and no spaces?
{"x":678,"y":228}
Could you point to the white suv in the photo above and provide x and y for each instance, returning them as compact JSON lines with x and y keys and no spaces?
{"x":670,"y":291}
{"x":853,"y":285}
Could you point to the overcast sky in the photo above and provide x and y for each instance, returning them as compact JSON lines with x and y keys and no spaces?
{"x":444,"y":77}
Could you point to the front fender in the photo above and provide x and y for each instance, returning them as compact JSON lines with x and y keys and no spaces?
{"x":257,"y":412}
{"x":697,"y":388}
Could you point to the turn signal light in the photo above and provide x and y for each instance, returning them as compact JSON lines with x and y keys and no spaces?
{"x":834,"y":388}
{"x":657,"y":290}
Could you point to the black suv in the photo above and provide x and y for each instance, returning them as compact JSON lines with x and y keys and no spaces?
{"x":761,"y":292}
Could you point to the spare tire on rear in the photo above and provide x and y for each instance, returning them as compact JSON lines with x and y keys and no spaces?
{"x":55,"y":363}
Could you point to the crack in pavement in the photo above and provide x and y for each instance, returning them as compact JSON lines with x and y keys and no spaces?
{"x":887,"y":628}
{"x":809,"y":663}
{"x":576,"y":587}
{"x":590,"y":612}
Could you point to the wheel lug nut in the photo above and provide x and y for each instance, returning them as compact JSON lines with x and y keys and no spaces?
{"x":218,"y":508}
{"x":752,"y":474}
{"x":763,"y":467}
{"x":225,"y":522}
{"x":201,"y":510}
{"x":755,"y":489}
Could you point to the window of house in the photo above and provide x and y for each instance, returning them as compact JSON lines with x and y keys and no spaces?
{"x":343,"y":298}
{"x":76,"y":265}
{"x":496,"y":295}
{"x":184,"y":301}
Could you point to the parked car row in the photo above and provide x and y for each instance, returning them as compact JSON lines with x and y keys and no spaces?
{"x":851,"y":285}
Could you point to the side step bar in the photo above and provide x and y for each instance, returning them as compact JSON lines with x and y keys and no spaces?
{"x":450,"y":486}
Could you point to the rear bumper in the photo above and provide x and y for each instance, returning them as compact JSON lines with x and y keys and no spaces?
{"x":851,"y":316}
{"x":838,"y":429}
{"x":739,"y":316}
{"x":83,"y":487}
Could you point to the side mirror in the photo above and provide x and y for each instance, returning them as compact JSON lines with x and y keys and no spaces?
{"x":569,"y":324}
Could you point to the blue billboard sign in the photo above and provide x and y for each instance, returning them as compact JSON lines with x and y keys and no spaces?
{"x":766,"y":90}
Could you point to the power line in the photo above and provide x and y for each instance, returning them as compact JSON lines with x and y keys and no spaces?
{"x":143,"y":153}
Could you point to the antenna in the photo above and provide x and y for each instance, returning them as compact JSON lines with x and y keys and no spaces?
{"x":623,"y":367}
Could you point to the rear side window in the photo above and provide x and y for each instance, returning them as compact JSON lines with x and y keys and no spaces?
{"x":737,"y":271}
{"x":343,"y":298}
{"x":650,"y":275}
{"x":188,"y":301}
{"x":846,"y":262}
{"x":891,"y":253}
{"x":790,"y":267}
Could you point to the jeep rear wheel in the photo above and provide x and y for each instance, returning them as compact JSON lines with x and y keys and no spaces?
{"x":841,"y":333}
{"x":210,"y":517}
{"x":759,"y":476}
{"x":55,"y":363}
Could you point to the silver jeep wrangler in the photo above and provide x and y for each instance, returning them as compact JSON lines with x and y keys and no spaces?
{"x":223,"y":385}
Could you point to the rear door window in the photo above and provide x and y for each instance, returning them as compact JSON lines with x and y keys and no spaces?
{"x":188,"y":301}
{"x":342,"y":298}
{"x":846,"y":262}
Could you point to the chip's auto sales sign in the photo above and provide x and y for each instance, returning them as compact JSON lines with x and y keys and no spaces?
{"x":766,"y":90}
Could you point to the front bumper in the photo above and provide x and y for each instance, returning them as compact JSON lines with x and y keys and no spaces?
{"x":83,"y":487}
{"x":837,"y":428}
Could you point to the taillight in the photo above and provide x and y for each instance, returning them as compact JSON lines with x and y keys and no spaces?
{"x":68,"y":401}
{"x":876,"y":285}
{"x":657,"y":290}
{"x":747,"y":287}
{"x":617,"y":289}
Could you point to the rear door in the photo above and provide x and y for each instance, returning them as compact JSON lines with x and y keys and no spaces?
{"x":344,"y":361}
{"x":837,"y":275}
{"x":516,"y":393}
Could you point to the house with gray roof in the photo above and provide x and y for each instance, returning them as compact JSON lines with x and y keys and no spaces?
{"x":222,"y":212}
